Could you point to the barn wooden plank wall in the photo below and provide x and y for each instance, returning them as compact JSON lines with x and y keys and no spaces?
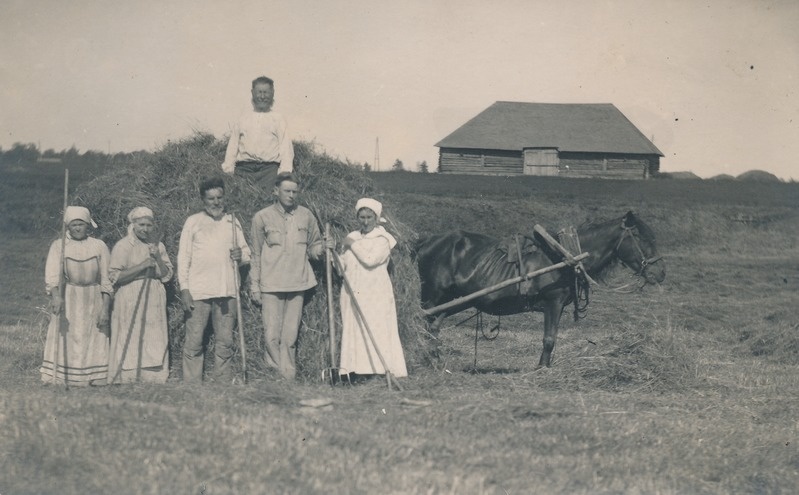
{"x":619,"y":168}
{"x":477,"y":162}
{"x":493,"y":162}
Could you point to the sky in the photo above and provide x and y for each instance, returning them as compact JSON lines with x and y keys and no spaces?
{"x":711,"y":83}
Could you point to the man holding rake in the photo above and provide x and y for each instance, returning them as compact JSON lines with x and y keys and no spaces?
{"x":207,"y":280}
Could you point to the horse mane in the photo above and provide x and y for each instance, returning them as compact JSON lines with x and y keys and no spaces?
{"x":595,"y":224}
{"x":645,"y":231}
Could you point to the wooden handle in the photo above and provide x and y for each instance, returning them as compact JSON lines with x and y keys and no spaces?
{"x":501,"y":285}
{"x":61,"y":278}
{"x":331,"y":317}
{"x":239,"y":317}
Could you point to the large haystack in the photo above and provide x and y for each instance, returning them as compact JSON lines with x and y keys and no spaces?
{"x":758,"y":176}
{"x":167,"y":181}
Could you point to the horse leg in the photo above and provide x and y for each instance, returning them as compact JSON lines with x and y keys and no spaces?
{"x":434,"y":327}
{"x":434,"y":323}
{"x":553,"y":308}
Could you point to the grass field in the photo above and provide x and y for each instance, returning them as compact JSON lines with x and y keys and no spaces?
{"x":692,"y":389}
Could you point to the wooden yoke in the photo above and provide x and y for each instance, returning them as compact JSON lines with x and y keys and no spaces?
{"x":488,"y":290}
{"x":570,"y":259}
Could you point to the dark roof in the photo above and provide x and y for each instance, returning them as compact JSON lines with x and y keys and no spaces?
{"x":579,"y":127}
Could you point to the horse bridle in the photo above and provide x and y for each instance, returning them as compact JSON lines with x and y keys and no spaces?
{"x":645,"y":262}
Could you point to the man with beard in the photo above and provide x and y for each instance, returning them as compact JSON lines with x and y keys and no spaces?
{"x":206,"y":257}
{"x":259,"y":147}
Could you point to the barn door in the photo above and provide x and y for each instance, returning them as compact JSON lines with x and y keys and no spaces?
{"x":541,"y":161}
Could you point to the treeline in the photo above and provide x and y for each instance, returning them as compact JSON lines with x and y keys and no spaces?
{"x":32,"y":183}
{"x":24,"y":154}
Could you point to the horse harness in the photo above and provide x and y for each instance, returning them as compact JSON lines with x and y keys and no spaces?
{"x":645,"y":262}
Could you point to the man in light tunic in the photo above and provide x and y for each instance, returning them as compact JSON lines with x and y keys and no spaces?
{"x":284,"y":237}
{"x":260,"y":147}
{"x":206,"y":267}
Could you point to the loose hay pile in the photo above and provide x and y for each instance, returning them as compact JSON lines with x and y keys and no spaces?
{"x":167,"y":181}
{"x":632,"y":356}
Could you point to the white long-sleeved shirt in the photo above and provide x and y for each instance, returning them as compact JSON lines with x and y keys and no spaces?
{"x":262,"y":137}
{"x":204,"y":264}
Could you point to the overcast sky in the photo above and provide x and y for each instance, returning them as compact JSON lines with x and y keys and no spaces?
{"x":712,"y":83}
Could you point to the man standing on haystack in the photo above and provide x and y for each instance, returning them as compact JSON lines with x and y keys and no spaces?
{"x":259,"y":147}
{"x":211,"y":246}
{"x":284,"y":237}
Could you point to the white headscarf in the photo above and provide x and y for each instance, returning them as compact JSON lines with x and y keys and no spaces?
{"x":78,"y":213}
{"x":139,"y":212}
{"x":373,"y":205}
{"x":377,"y":208}
{"x":136,"y":213}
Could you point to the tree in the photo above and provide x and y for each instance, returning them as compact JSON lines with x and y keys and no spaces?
{"x":367,"y":167}
{"x":398,"y":166}
{"x":22,"y":154}
{"x":423,"y":167}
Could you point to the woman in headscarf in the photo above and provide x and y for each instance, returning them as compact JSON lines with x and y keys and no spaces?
{"x":139,"y":336}
{"x":77,"y":338}
{"x":365,"y":261}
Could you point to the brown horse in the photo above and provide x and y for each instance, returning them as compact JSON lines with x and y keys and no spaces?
{"x":460,"y":263}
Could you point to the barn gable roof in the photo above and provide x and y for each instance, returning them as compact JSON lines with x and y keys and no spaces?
{"x":576,"y":127}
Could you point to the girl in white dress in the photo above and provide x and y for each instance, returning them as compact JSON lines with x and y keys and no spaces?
{"x":365,"y":261}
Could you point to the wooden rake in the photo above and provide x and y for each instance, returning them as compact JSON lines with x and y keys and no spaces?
{"x":62,"y":282}
{"x":144,"y":290}
{"x":240,"y":319}
{"x":329,"y":374}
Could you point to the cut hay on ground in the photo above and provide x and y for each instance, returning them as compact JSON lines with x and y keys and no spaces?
{"x":655,"y":357}
{"x":778,"y":342}
{"x":167,"y":181}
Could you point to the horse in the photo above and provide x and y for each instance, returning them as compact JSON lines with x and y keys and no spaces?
{"x":460,"y":263}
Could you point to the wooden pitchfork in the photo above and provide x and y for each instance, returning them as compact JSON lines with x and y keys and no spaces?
{"x":240,"y":320}
{"x":389,"y":377}
{"x":331,"y":372}
{"x":62,"y":282}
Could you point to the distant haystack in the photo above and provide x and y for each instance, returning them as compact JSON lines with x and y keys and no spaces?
{"x":679,"y":175}
{"x":722,"y":177}
{"x":759,"y":176}
{"x":167,"y":181}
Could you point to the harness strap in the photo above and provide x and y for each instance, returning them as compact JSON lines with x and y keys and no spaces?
{"x":628,"y":231}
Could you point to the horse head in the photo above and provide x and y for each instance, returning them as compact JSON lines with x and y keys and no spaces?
{"x":637,"y":251}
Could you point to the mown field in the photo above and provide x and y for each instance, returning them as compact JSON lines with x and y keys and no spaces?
{"x":690,"y":388}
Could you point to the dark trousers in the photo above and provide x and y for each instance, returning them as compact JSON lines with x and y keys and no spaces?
{"x":261,"y":174}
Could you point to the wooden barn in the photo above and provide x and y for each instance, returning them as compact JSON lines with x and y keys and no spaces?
{"x":567,"y":140}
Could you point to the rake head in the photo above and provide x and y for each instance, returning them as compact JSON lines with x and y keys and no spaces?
{"x":334,"y":376}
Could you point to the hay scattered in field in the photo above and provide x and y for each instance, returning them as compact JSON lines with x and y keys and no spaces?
{"x":167,"y":181}
{"x":655,"y":357}
{"x":778,"y":342}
